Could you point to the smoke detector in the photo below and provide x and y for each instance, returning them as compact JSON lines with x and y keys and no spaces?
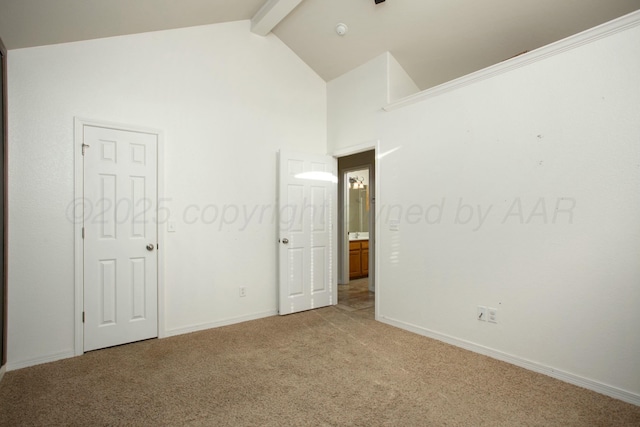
{"x":342,"y":29}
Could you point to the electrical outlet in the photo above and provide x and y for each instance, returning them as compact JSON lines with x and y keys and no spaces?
{"x":481,"y":314}
{"x":493,"y":315}
{"x":243,"y":291}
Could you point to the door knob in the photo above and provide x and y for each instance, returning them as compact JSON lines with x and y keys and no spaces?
{"x":150,"y":247}
{"x":285,"y":240}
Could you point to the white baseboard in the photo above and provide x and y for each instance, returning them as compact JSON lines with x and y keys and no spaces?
{"x":12,"y":366}
{"x":219,"y":323}
{"x":567,"y":377}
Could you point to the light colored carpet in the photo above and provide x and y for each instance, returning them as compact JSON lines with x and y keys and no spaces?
{"x":327,"y":367}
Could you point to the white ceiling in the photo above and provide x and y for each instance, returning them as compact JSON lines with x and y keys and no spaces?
{"x":434,"y":40}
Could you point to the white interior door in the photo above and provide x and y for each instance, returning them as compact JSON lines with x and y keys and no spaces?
{"x":307,"y":206}
{"x":120,"y":237}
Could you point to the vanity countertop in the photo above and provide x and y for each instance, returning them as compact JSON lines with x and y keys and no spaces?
{"x":358,"y":236}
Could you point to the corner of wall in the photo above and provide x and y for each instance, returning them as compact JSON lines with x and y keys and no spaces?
{"x":354,"y":101}
{"x":399,"y":84}
{"x":356,"y":98}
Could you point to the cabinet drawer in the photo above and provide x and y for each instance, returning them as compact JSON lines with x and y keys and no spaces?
{"x":354,"y":246}
{"x":364,"y":244}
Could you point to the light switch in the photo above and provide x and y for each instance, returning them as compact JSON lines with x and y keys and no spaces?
{"x":481,"y":313}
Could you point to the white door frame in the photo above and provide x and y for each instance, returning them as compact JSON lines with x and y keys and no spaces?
{"x":355,"y":149}
{"x":76,"y":215}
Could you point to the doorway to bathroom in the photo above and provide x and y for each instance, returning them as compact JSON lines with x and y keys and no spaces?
{"x":356,"y":231}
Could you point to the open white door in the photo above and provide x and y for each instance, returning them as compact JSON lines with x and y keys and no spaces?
{"x":120,"y":236}
{"x":307,"y":235}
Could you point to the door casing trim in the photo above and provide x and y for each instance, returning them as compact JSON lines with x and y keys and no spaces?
{"x":355,"y":149}
{"x":78,"y":176}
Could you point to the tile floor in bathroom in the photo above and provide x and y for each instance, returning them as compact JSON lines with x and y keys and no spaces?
{"x":355,"y":295}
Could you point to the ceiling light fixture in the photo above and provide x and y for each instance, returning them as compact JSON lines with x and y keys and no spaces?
{"x":342,"y":29}
{"x":379,"y":1}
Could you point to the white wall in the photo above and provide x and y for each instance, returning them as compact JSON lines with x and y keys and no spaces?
{"x":565,"y":278}
{"x":356,"y":98}
{"x":226,"y":100}
{"x":400,"y":84}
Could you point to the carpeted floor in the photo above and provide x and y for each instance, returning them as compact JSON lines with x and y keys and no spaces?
{"x":326,"y":367}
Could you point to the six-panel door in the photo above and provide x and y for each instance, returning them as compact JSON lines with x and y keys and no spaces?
{"x":120,"y":242}
{"x":307,"y":210}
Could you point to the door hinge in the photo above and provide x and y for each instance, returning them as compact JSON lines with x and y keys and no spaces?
{"x":83,"y":317}
{"x":83,"y":232}
{"x":84,"y":148}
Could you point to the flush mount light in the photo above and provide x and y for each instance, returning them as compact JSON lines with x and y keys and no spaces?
{"x":342,"y":29}
{"x":379,"y":1}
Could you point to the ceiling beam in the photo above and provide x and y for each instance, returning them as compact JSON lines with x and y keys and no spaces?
{"x":270,"y":15}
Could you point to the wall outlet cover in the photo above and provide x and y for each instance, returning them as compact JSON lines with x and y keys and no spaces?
{"x":492,"y":313}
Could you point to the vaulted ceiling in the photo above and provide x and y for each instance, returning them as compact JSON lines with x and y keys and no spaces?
{"x":434,"y":40}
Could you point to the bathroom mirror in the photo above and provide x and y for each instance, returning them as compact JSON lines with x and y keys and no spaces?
{"x":357,"y":183}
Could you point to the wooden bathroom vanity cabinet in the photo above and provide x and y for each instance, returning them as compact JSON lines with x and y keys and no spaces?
{"x":358,"y":259}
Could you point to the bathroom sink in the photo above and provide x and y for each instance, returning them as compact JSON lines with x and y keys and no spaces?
{"x":359,"y":235}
